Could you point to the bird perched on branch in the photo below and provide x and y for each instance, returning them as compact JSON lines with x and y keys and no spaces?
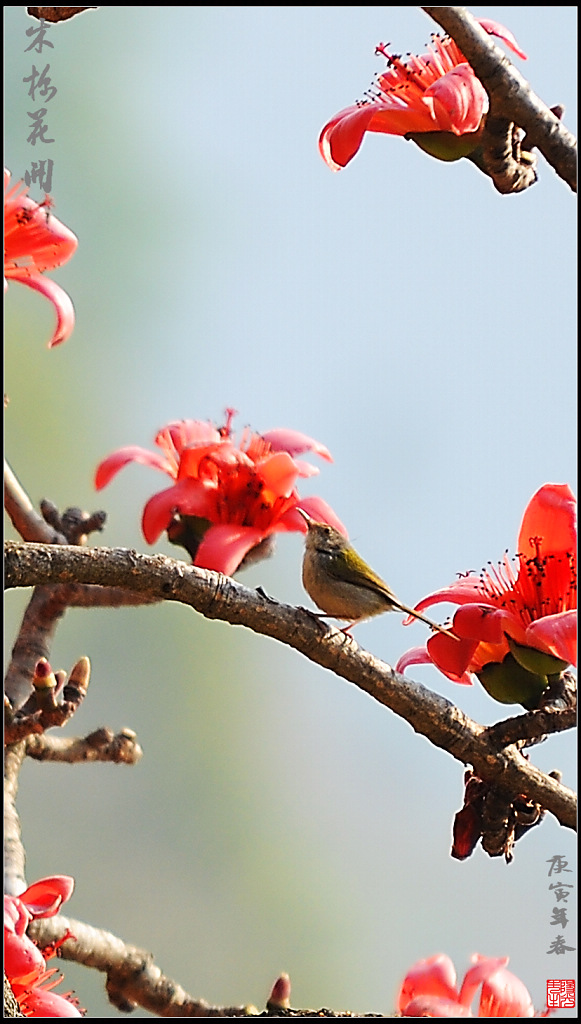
{"x":341,"y":584}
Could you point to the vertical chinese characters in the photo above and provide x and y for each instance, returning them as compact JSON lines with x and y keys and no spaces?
{"x":42,"y":91}
{"x":560,"y":991}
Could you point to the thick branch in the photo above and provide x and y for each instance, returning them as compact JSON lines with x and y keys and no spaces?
{"x":510,"y":94}
{"x":219,"y":597}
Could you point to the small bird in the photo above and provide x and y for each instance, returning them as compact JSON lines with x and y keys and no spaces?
{"x":341,"y":584}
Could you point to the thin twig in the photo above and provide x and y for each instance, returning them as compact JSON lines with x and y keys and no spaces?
{"x":532,"y":725}
{"x":52,"y":703}
{"x":25,"y":519}
{"x":43,"y":614}
{"x":101,"y":745}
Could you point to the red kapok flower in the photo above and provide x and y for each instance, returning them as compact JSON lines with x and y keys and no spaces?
{"x":429,"y":990}
{"x":40,"y":1001}
{"x":521,"y":615}
{"x":436,"y":96}
{"x":35,"y":241}
{"x":24,"y":962}
{"x":228,"y":498}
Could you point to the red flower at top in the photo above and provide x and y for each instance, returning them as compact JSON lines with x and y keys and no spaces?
{"x":227,"y":498}
{"x":35,"y":241}
{"x":525,"y":610}
{"x":436,"y":95}
{"x":429,"y":990}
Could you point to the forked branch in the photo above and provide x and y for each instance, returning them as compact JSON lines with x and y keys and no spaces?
{"x":219,"y":597}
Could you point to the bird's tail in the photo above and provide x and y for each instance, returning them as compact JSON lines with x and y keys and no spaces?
{"x":424,"y":618}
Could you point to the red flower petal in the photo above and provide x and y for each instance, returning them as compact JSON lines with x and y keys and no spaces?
{"x":556,"y":634}
{"x":278,"y":473}
{"x":224,"y":546}
{"x":494,"y":28}
{"x":36,"y":241}
{"x":452,"y":657}
{"x":551,"y":515}
{"x":413,"y":656}
{"x":306,"y":469}
{"x":480,"y":622}
{"x":216,"y":452}
{"x":16,"y":916}
{"x":483,"y":969}
{"x":65,"y":311}
{"x":22,"y":959}
{"x":295,"y":443}
{"x":188,"y":496}
{"x":465,"y":590}
{"x":504,"y":995}
{"x":435,"y":976}
{"x":39,"y":1002}
{"x":188,"y":432}
{"x":459,"y":101}
{"x":43,"y":898}
{"x":110,"y":466}
{"x":341,"y":138}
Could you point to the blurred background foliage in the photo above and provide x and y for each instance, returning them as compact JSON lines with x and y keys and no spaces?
{"x":402,"y":313}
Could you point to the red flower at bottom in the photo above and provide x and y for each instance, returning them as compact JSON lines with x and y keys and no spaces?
{"x":24,"y":962}
{"x":429,"y":989}
{"x":227,"y":499}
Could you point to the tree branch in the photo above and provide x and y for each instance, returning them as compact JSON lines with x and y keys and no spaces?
{"x":56,"y":14}
{"x":133,"y":979}
{"x":101,"y":745}
{"x":48,"y":604}
{"x":534,"y":725}
{"x":14,"y":856}
{"x":218,"y":597}
{"x":509,"y":93}
{"x":25,"y":519}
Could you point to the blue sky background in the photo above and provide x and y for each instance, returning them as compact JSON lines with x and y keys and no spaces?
{"x":408,"y":317}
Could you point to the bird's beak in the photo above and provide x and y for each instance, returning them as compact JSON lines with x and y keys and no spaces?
{"x":308,"y":519}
